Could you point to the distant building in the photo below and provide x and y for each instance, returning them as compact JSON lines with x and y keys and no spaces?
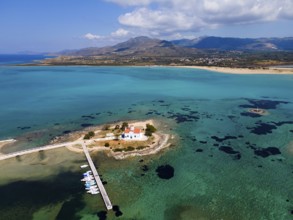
{"x":132,"y":133}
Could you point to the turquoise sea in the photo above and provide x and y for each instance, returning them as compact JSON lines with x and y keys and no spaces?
{"x":228,"y":163}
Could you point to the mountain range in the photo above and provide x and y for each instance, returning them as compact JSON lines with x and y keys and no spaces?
{"x":145,"y":46}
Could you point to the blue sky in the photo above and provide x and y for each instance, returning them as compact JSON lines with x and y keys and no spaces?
{"x":54,"y":25}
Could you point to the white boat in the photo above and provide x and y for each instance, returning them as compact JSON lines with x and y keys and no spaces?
{"x":90,"y":184}
{"x":91,"y":181}
{"x":87,"y":178}
{"x":93,"y":191}
{"x":92,"y":187}
{"x":84,"y":166}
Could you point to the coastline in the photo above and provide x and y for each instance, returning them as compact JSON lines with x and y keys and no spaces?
{"x":230,"y":70}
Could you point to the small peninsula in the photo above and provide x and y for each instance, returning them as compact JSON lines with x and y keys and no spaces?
{"x":124,"y":139}
{"x":120,"y":140}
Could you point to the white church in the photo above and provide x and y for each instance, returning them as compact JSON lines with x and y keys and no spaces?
{"x":132,"y":133}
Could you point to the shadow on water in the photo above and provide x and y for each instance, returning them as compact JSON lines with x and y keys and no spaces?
{"x":19,"y":200}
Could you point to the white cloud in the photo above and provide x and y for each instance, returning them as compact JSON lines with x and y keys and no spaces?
{"x":165,"y":20}
{"x":90,"y":36}
{"x":120,"y":33}
{"x":172,"y":16}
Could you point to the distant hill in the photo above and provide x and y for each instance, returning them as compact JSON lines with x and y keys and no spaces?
{"x":149,"y":47}
{"x":139,"y":46}
{"x":228,"y":43}
{"x":204,"y":51}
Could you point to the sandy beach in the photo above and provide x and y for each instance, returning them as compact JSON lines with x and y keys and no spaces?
{"x":243,"y":70}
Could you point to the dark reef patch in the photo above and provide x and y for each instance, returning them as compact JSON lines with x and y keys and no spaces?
{"x":266,"y":152}
{"x":180,"y":118}
{"x":250,"y":114}
{"x":117,"y":210}
{"x":262,"y":128}
{"x":229,"y":150}
{"x":86,"y":125}
{"x":102,"y":215}
{"x":88,"y":117}
{"x":66,"y":132}
{"x":199,"y":150}
{"x":24,"y":128}
{"x":165,"y":171}
{"x":264,"y":104}
{"x":224,"y":138}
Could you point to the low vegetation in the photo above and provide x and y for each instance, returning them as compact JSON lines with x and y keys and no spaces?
{"x":89,"y":135}
{"x":124,"y":125}
{"x":150,"y":129}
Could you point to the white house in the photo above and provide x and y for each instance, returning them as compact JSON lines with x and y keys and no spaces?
{"x":132,"y":133}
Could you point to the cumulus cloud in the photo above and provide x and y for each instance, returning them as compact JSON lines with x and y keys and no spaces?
{"x":90,"y":36}
{"x":120,"y":33}
{"x":167,"y":20}
{"x":161,"y":16}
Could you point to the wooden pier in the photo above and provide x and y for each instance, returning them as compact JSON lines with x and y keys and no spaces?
{"x":97,"y":178}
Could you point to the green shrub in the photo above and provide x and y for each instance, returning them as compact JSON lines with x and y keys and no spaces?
{"x":150,"y":129}
{"x":89,"y":135}
{"x":124,"y":125}
{"x":141,"y":147}
{"x":129,"y":148}
{"x":107,"y":144}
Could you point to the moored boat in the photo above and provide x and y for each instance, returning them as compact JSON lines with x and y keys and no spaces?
{"x":84,"y":166}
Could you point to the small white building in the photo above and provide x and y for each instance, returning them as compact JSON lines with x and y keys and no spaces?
{"x":132,"y":133}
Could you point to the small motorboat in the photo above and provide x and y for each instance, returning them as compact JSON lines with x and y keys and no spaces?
{"x":93,"y":191}
{"x":87,"y":178}
{"x":90,"y":184}
{"x":91,"y":187}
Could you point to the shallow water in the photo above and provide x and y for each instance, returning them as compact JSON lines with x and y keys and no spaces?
{"x":221,"y":167}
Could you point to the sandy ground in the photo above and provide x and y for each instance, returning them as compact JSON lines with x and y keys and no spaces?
{"x":141,"y":123}
{"x":4,"y":142}
{"x":243,"y":70}
{"x":161,"y":142}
